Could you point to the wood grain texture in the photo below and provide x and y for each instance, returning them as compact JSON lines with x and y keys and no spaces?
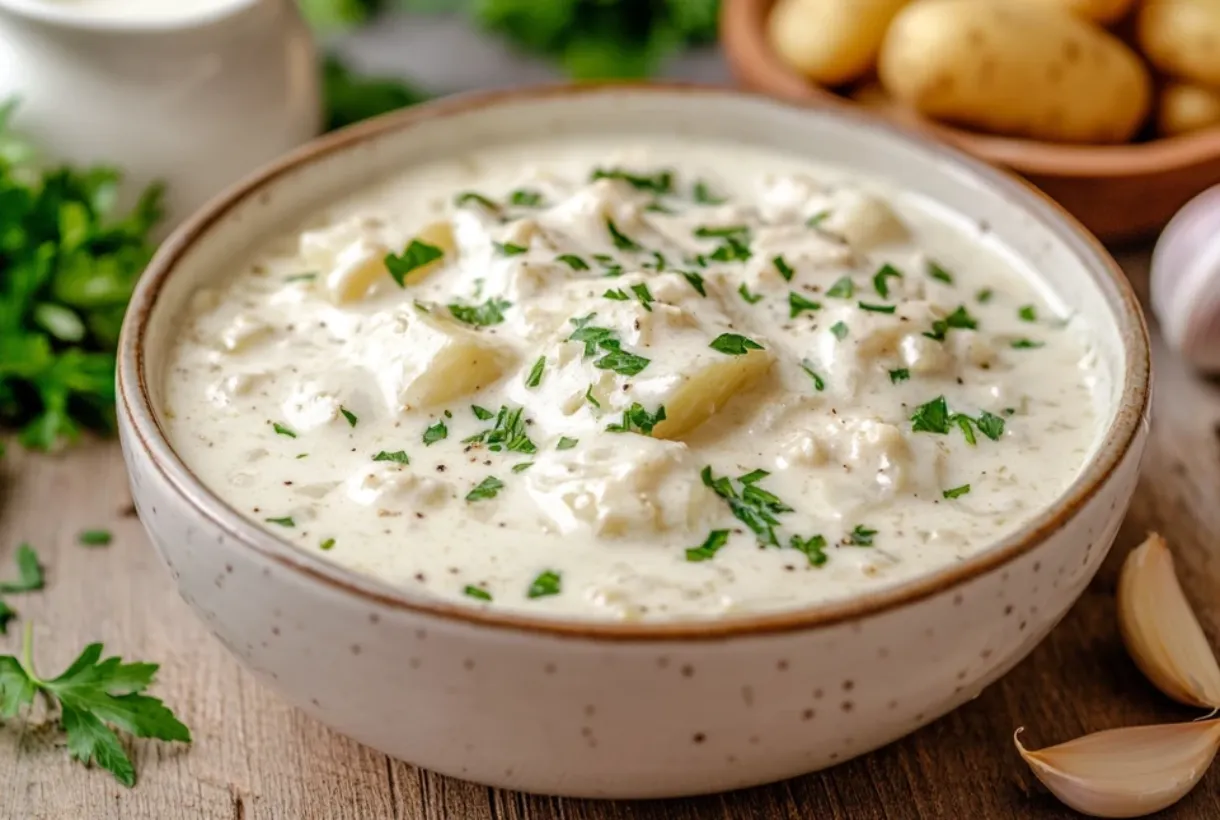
{"x":256,"y":759}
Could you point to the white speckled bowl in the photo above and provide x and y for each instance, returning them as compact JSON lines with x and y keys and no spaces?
{"x":627,"y":710}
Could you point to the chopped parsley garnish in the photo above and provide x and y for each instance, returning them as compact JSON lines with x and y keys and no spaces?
{"x":932,"y":417}
{"x":984,"y":296}
{"x":591,"y":399}
{"x":657,"y":208}
{"x":710,"y":546}
{"x":899,"y":375}
{"x":1026,"y":344}
{"x":704,"y":196}
{"x":842,"y":289}
{"x":507,"y":433}
{"x":509,"y":248}
{"x":817,"y":219}
{"x":301,"y":277}
{"x":351,"y":417}
{"x":861,"y":536}
{"x":642,"y":293}
{"x":839,"y":330}
{"x":956,"y":492}
{"x":733,"y":344}
{"x":573,"y":261}
{"x":547,"y":583}
{"x":741,"y":232}
{"x":813,"y":547}
{"x":621,"y":362}
{"x":938,"y":273}
{"x":990,"y":425}
{"x":566,"y":443}
{"x":398,"y":456}
{"x":749,"y":503}
{"x":490,"y":312}
{"x":522,"y":467}
{"x":798,"y":304}
{"x":487,"y":488}
{"x":637,"y":419}
{"x":877,"y":308}
{"x":286,"y":521}
{"x":525,"y":198}
{"x":327,"y":545}
{"x":696,"y":282}
{"x":535,"y":376}
{"x":785,"y":270}
{"x":436,"y":432}
{"x":481,"y":413}
{"x":616,"y":294}
{"x":615,"y":358}
{"x":476,"y":593}
{"x":959,"y":319}
{"x":282,"y":430}
{"x":966,"y":424}
{"x":95,"y":538}
{"x":880,"y":285}
{"x":621,"y":240}
{"x":1028,"y":313}
{"x":416,"y":255}
{"x":732,"y":249}
{"x":818,"y":384}
{"x":751,"y":298}
{"x":661,"y":182}
{"x":467,"y":197}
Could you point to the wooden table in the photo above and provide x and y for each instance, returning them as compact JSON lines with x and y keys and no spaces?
{"x":256,"y":758}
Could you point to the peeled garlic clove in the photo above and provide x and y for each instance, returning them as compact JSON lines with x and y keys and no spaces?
{"x":1126,"y":772}
{"x":1160,"y":629}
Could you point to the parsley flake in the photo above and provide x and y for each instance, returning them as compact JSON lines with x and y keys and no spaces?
{"x":591,"y":399}
{"x":1026,"y":344}
{"x":566,"y":443}
{"x":984,"y":296}
{"x":416,"y":255}
{"x":535,"y":375}
{"x":956,"y":492}
{"x":509,"y":432}
{"x":749,"y":503}
{"x":798,"y":304}
{"x":839,"y":329}
{"x":706,"y":551}
{"x":861,"y":536}
{"x":696,"y":282}
{"x":844,"y":288}
{"x":813,"y":547}
{"x":637,"y":419}
{"x":286,"y":521}
{"x":621,"y":240}
{"x":573,"y":261}
{"x":899,"y":375}
{"x":990,"y":425}
{"x":351,"y":417}
{"x":436,"y":432}
{"x":466,"y":197}
{"x":938,"y":273}
{"x":876,"y":308}
{"x":741,"y":232}
{"x":522,"y":467}
{"x":661,"y":182}
{"x":487,"y":488}
{"x":817,"y":219}
{"x":282,"y":430}
{"x":398,"y":456}
{"x":490,"y":312}
{"x":525,"y":198}
{"x":616,"y":294}
{"x":751,"y":298}
{"x":547,"y":583}
{"x":818,"y":384}
{"x":301,"y":277}
{"x":642,"y":293}
{"x":327,"y":545}
{"x":481,"y":413}
{"x":476,"y":593}
{"x":932,"y":417}
{"x":703,"y":194}
{"x":509,"y":248}
{"x":880,"y":285}
{"x":785,"y":270}
{"x":732,"y":249}
{"x":733,"y":344}
{"x":1028,"y":313}
{"x":95,"y":538}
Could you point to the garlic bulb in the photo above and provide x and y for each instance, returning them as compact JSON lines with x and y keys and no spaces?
{"x":1185,"y":281}
{"x":1126,"y":772}
{"x":1160,"y":629}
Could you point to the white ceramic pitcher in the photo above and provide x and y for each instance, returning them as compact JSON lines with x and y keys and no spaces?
{"x":195,"y":98}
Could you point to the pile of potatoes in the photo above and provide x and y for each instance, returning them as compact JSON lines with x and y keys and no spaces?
{"x":1072,"y":71}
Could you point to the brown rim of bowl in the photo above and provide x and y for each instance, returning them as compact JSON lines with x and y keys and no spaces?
{"x":137,"y":406}
{"x":743,"y":37}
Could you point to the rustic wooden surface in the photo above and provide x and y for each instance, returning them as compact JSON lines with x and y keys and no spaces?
{"x":255,"y":758}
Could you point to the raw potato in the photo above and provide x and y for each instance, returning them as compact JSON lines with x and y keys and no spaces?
{"x":831,"y":41}
{"x":1015,"y":68}
{"x":1186,"y":108}
{"x":1182,"y":38}
{"x":1099,"y":11}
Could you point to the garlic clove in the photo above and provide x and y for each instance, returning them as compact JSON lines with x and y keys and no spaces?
{"x":1185,"y":281}
{"x":1160,"y":629}
{"x":1126,"y":772}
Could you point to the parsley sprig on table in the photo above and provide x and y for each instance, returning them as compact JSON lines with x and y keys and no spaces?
{"x":67,"y":269}
{"x":95,"y":697}
{"x":29,"y":579}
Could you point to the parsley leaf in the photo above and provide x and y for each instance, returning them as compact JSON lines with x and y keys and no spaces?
{"x":732,"y":250}
{"x":703,"y":194}
{"x":29,"y":572}
{"x":547,"y":583}
{"x":621,"y":362}
{"x":351,"y":417}
{"x":696,"y":282}
{"x":616,"y":294}
{"x":1028,"y":313}
{"x":887,"y":271}
{"x":487,"y":488}
{"x":327,"y":545}
{"x":839,"y":329}
{"x":990,"y":425}
{"x":566,"y":443}
{"x":522,"y":467}
{"x":481,"y":413}
{"x":466,"y":197}
{"x":398,"y":456}
{"x":818,"y":384}
{"x":899,"y":375}
{"x":797,"y":304}
{"x":509,"y":248}
{"x":813,"y":547}
{"x":614,"y":357}
{"x":621,"y":240}
{"x":956,"y":492}
{"x":706,"y":551}
{"x":938,"y":273}
{"x":733,"y":344}
{"x":932,"y":417}
{"x":861,"y":536}
{"x":876,"y":308}
{"x":436,"y":432}
{"x":637,"y":419}
{"x":286,"y":521}
{"x":476,"y":593}
{"x":416,"y":255}
{"x":741,"y":232}
{"x":1026,"y":344}
{"x":817,"y":219}
{"x":785,"y":270}
{"x":591,"y":399}
{"x":282,"y":430}
{"x":93,"y":696}
{"x":95,"y":538}
{"x":749,"y":503}
{"x":535,"y":375}
{"x":525,"y":198}
{"x":490,"y":312}
{"x":984,"y":296}
{"x":844,"y":288}
{"x":642,"y":293}
{"x":661,"y":182}
{"x":751,"y":298}
{"x":507,"y":433}
{"x":573,"y":261}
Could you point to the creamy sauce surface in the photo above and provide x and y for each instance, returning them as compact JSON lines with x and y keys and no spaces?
{"x":653,"y":382}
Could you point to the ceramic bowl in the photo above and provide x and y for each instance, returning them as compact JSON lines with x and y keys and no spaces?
{"x":614,"y":709}
{"x":1120,"y":192}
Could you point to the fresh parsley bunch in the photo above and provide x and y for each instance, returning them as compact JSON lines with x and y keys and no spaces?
{"x":67,"y":270}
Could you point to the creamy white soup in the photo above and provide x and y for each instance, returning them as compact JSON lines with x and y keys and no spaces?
{"x":650,"y":382}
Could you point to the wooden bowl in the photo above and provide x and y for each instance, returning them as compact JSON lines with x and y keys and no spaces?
{"x":1120,"y":192}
